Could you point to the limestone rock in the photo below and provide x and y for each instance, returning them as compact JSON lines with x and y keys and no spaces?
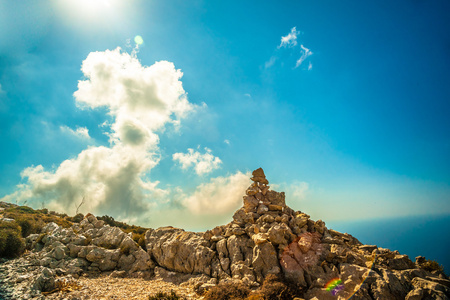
{"x":401,"y":262}
{"x":276,"y":198}
{"x":250,"y":204}
{"x":259,"y":176}
{"x":45,"y":282}
{"x":265,"y":261}
{"x":181,"y":251}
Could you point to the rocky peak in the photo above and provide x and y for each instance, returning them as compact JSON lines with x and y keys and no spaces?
{"x":264,"y":237}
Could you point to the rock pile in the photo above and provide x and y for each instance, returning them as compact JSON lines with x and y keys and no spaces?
{"x":265,"y":237}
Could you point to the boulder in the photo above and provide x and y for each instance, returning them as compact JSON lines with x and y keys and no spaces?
{"x":250,"y":204}
{"x":259,"y":176}
{"x":181,"y":251}
{"x":45,"y":282}
{"x":265,"y":261}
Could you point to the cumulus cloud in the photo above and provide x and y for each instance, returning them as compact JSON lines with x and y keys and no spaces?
{"x":80,"y":132}
{"x":305,"y":54}
{"x":202,"y":163}
{"x":219,"y":196}
{"x":289,"y":40}
{"x":141,"y":100}
{"x":152,"y":96}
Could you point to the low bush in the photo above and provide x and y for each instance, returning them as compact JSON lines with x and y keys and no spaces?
{"x":11,"y":242}
{"x":125,"y":250}
{"x":431,"y":265}
{"x":166,"y":296}
{"x":228,"y":291}
{"x":140,"y":240}
{"x":76,"y":219}
{"x":278,"y":288}
{"x":29,"y":225}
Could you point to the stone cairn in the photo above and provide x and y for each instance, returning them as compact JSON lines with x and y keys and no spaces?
{"x":265,"y":237}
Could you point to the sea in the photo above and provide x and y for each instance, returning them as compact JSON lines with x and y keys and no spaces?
{"x":427,"y":236}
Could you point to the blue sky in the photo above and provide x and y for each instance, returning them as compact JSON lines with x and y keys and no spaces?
{"x":357,"y":129}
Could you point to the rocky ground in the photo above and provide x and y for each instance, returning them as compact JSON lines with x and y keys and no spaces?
{"x":91,"y":260}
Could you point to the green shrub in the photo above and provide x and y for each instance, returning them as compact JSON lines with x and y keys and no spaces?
{"x":165,"y":296}
{"x":125,"y":250}
{"x":9,"y":225}
{"x":140,"y":240}
{"x":11,"y":243}
{"x":29,"y":225}
{"x":21,"y":210}
{"x":76,"y":219}
{"x":227,"y":291}
{"x":431,"y":265}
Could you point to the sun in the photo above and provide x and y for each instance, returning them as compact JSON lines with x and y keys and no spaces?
{"x":90,"y":11}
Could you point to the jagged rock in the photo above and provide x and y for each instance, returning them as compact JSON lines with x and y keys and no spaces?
{"x":260,"y":238}
{"x":301,"y":254}
{"x":276,"y":198}
{"x":111,"y":237}
{"x":279,"y":234}
{"x":401,"y":262}
{"x":430,"y":287}
{"x":240,"y":248}
{"x":181,"y":251}
{"x":45,"y":282}
{"x":126,"y":261}
{"x":265,"y":261}
{"x":250,"y":204}
{"x":49,"y":227}
{"x":142,"y":261}
{"x":262,"y":209}
{"x":118,"y":274}
{"x":59,"y":252}
{"x":96,"y":254}
{"x":259,"y":176}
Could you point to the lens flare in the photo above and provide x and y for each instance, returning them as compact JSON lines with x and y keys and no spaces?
{"x":138,"y":40}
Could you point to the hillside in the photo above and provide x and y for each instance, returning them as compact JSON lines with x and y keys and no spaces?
{"x":268,"y":251}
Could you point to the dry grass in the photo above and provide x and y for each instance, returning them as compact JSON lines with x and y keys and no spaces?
{"x":228,"y":291}
{"x":277,"y":288}
{"x":64,"y":286}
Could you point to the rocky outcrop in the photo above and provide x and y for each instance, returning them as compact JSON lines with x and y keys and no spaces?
{"x":264,"y":237}
{"x":89,"y":246}
{"x":181,"y":251}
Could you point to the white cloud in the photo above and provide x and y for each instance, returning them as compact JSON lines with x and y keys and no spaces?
{"x":227,"y":142}
{"x":80,"y":132}
{"x":298,"y":190}
{"x":151,"y":95}
{"x":310,"y":66}
{"x":289,"y":40}
{"x":221,"y":195}
{"x":202,"y":163}
{"x":305,"y":54}
{"x":141,"y":100}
